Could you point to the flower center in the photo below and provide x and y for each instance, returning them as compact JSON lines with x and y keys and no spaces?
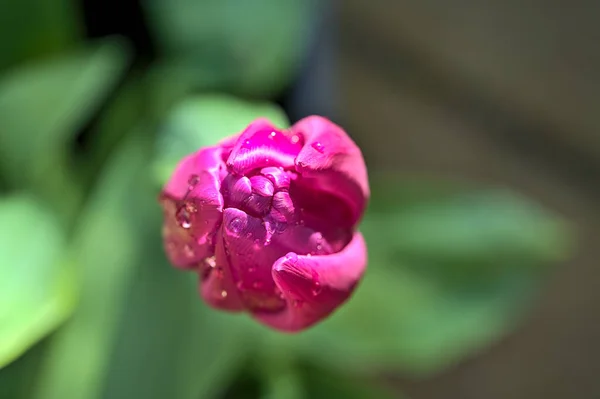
{"x":259,"y":193}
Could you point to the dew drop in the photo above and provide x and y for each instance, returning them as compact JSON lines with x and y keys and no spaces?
{"x":293,"y":257}
{"x":188,"y":251}
{"x":183,"y":217}
{"x":210,"y":262}
{"x":223,"y":294}
{"x":272,"y":135}
{"x":319,"y":247}
{"x":236,"y":225}
{"x":193,"y":180}
{"x":318,"y":146}
{"x":317,"y":289}
{"x":295,"y":139}
{"x":251,"y":269}
{"x":267,"y":242}
{"x":240,"y":285}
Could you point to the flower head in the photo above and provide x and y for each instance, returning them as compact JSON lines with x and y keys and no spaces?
{"x":268,"y":220}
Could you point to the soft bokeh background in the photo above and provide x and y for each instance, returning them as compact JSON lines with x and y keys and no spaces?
{"x":479,"y":123}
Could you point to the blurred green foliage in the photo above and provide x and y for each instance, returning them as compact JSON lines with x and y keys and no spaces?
{"x":250,"y":47}
{"x":452,"y":268}
{"x":36,"y":291}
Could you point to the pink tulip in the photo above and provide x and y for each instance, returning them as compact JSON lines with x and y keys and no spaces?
{"x":268,"y":220}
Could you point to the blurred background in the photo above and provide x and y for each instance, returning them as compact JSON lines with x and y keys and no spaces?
{"x":479,"y":123}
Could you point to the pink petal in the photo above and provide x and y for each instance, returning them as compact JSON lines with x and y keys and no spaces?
{"x":279,"y":177}
{"x":330,"y":161}
{"x":262,"y":145}
{"x":217,"y":286}
{"x":193,"y":208}
{"x":251,"y":258}
{"x":314,"y":286}
{"x":304,"y":239}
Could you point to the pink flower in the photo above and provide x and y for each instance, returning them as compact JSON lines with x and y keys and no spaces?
{"x":268,"y":220}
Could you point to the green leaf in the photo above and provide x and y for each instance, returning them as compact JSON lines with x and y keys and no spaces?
{"x":475,"y":231}
{"x":42,"y":106}
{"x":108,"y":244}
{"x":325,"y":383}
{"x":170,"y":344}
{"x":31,"y":29}
{"x":241,"y":47}
{"x":36,"y":285}
{"x":202,"y":121}
{"x":450,"y":271}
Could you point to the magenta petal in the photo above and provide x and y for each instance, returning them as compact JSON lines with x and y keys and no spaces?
{"x":314,"y":286}
{"x":261,"y":145}
{"x":193,"y":208}
{"x":251,"y":258}
{"x":279,"y":177}
{"x":217,"y":287}
{"x":330,"y":161}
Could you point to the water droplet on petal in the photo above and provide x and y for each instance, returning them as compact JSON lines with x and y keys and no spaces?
{"x":295,"y":139}
{"x":193,"y":180}
{"x":319,"y":247}
{"x":251,"y":269}
{"x":317,"y":289}
{"x":210,"y":262}
{"x":293,"y":257}
{"x":223,"y":294}
{"x":236,"y":225}
{"x":267,"y":242}
{"x":318,"y":146}
{"x":272,"y":135}
{"x":183,"y":217}
{"x":188,"y":251}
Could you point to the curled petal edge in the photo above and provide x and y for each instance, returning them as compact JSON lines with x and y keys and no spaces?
{"x":333,"y":163}
{"x":314,"y":286}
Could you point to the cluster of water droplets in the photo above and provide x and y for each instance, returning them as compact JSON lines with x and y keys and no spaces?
{"x":186,"y":209}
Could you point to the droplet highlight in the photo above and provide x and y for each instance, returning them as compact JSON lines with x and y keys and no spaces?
{"x":236,"y":225}
{"x":183,"y":217}
{"x":317,"y":289}
{"x":192,"y":181}
{"x":318,"y":146}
